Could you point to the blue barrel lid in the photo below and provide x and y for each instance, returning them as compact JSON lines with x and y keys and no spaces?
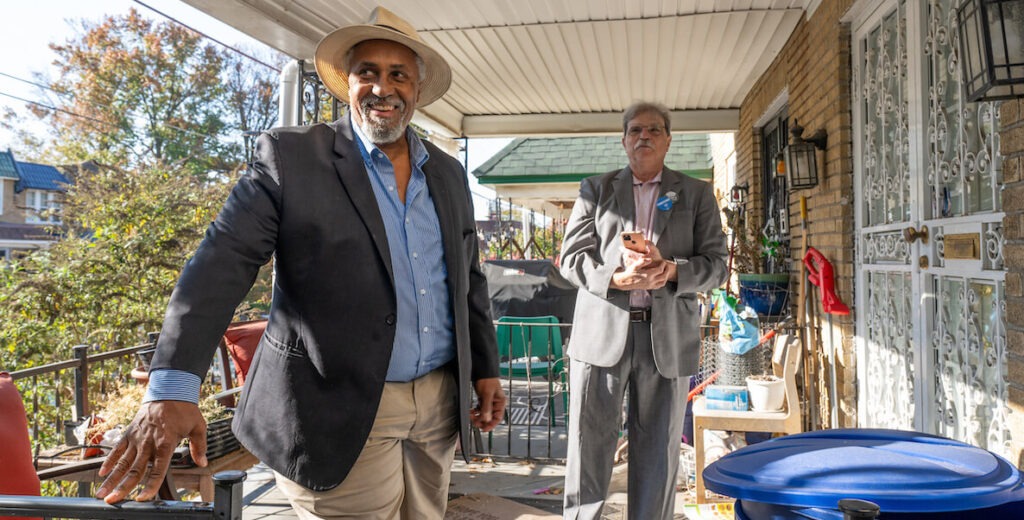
{"x":901,"y":471}
{"x":747,"y":510}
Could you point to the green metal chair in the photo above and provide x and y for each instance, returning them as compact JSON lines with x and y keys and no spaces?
{"x":530,"y":347}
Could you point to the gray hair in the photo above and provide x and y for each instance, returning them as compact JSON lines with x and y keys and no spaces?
{"x":644,"y":107}
{"x":420,"y":64}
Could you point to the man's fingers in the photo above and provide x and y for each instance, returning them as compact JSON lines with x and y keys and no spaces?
{"x":197,"y":445}
{"x":161,"y":462}
{"x":113,"y":456}
{"x":123,"y":479}
{"x":485,"y":410}
{"x":498,"y":412}
{"x":116,"y":466}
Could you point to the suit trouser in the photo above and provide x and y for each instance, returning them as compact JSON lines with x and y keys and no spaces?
{"x":405,"y":466}
{"x":654,"y":423}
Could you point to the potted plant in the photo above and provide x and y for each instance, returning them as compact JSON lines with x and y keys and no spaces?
{"x":767,"y":393}
{"x":753,"y":256}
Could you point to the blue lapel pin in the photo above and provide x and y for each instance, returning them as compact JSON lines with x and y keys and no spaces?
{"x":666,"y":201}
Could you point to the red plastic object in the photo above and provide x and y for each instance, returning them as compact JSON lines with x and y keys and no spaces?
{"x":17,"y":474}
{"x":242,"y":338}
{"x":821,"y":274}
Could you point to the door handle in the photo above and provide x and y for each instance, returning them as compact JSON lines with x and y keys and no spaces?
{"x":910,"y":234}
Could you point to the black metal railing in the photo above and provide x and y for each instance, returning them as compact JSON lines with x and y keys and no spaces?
{"x":535,"y":377}
{"x":60,"y":395}
{"x":227,"y":505}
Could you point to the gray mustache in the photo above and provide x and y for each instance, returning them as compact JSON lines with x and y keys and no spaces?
{"x":372,"y":99}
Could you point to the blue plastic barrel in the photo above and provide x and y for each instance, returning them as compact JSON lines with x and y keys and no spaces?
{"x":761,"y":511}
{"x":909,"y":475}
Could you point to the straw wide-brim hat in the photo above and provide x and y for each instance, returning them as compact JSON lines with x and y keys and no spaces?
{"x":382,"y":25}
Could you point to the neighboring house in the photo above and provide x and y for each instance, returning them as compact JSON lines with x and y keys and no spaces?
{"x":31,"y":196}
{"x":544,"y":174}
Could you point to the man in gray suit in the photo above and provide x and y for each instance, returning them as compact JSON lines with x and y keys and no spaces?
{"x":379,"y":329}
{"x":636,"y":320}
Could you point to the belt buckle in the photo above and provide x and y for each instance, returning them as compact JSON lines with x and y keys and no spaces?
{"x":640,"y":315}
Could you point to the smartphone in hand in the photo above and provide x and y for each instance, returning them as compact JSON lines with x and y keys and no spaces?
{"x":634,"y":241}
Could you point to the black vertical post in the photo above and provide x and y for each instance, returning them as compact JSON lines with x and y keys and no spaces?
{"x":302,"y":90}
{"x":82,"y":400}
{"x":227,"y":495}
{"x":81,"y":381}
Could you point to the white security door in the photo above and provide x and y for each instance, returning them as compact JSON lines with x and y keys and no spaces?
{"x":930,"y":304}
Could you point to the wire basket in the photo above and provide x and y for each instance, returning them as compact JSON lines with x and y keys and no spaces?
{"x":732,"y":369}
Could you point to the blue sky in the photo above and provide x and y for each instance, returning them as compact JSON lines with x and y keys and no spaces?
{"x":28,"y":27}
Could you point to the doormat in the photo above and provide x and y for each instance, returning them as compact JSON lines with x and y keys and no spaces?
{"x":522,"y":411}
{"x":481,"y":506}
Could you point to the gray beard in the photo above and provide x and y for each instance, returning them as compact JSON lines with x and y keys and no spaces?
{"x":380,"y":133}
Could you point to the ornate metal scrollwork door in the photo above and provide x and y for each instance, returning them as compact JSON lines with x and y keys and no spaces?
{"x":931,"y":311}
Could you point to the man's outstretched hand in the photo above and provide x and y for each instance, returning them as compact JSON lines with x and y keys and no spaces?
{"x":151,"y":438}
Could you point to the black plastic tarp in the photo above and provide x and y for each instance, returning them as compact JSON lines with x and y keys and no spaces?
{"x":529,"y":288}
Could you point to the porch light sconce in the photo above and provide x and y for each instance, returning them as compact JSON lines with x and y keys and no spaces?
{"x":802,"y":156}
{"x":992,"y":48}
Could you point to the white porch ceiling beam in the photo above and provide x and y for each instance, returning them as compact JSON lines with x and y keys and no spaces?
{"x":293,"y":35}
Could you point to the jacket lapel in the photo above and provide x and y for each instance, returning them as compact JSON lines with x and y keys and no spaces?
{"x":450,"y":233}
{"x":624,"y":198}
{"x":670,"y":182}
{"x":353,"y":175}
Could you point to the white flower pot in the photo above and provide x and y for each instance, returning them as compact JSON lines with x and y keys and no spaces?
{"x":767,"y":393}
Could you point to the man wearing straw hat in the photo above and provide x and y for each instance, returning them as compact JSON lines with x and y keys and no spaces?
{"x":379,"y":331}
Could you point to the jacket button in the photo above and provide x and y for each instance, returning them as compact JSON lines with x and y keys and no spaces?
{"x":390,"y":319}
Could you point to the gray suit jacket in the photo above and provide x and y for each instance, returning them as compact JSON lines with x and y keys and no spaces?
{"x":312,"y":391}
{"x":689,"y":232}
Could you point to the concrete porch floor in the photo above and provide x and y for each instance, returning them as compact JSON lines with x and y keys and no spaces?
{"x":533,"y":484}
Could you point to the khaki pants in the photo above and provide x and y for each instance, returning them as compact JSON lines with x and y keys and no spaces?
{"x":405,"y":466}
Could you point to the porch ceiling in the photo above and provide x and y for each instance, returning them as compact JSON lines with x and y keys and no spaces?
{"x":557,"y":67}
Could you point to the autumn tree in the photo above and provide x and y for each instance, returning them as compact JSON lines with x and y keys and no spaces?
{"x":134,"y":92}
{"x":164,"y":109}
{"x":109,"y":279}
{"x":251,"y":100}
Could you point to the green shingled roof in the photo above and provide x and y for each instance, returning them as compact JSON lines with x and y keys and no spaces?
{"x":8,"y":169}
{"x":570,"y":159}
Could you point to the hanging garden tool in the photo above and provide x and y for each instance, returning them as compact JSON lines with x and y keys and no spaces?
{"x":808,"y":334}
{"x":821,"y":274}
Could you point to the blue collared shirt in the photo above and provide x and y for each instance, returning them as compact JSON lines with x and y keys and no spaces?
{"x":423,"y":335}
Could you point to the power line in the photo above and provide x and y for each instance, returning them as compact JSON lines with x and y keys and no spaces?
{"x":108,"y":123}
{"x":48,"y":107}
{"x":204,"y":35}
{"x":40,"y":85}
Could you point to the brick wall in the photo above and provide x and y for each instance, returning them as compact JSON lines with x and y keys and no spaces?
{"x":11,"y":211}
{"x":814,"y":66}
{"x":1011,"y":143}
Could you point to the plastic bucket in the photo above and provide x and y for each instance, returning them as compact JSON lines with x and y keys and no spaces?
{"x":768,"y":294}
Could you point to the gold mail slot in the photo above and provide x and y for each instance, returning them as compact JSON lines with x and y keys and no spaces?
{"x":963,"y":246}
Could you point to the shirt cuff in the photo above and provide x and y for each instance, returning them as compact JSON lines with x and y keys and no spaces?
{"x":173,"y":385}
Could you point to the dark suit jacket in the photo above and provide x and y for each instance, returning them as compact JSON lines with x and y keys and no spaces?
{"x":690,"y":232}
{"x":315,"y":383}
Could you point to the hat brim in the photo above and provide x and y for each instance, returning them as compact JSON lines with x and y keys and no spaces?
{"x":330,"y":53}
